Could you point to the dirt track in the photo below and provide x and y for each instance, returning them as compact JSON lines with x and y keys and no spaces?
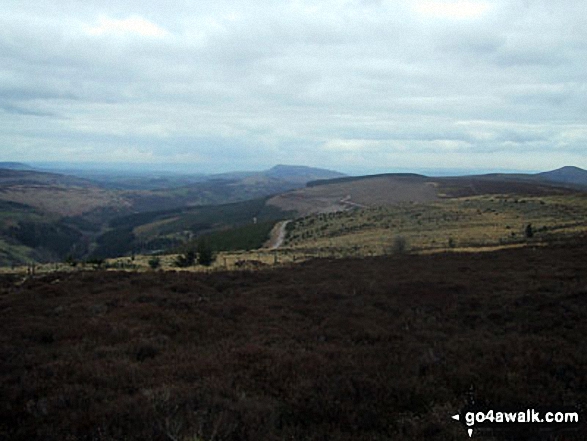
{"x":277,"y":235}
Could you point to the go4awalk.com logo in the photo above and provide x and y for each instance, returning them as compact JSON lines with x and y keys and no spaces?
{"x":475,"y":418}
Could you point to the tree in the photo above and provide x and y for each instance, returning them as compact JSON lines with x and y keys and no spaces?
{"x":529,"y":231}
{"x":205,"y":253}
{"x":399,"y":245}
{"x":70,"y":260}
{"x":186,"y":260}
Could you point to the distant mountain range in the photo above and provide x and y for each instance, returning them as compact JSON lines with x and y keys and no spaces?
{"x":283,"y":176}
{"x":149,"y":180}
{"x":49,"y":216}
{"x":15,"y":166}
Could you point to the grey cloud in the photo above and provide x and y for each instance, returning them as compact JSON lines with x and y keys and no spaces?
{"x":34,"y":93}
{"x":18,"y":110}
{"x":264,"y":78}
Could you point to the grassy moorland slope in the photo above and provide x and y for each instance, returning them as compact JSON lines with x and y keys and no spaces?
{"x":383,"y":348}
{"x":390,"y":189}
{"x":347,"y":193}
{"x":476,"y":221}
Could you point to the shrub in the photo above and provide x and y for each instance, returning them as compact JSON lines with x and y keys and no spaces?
{"x":188,"y":259}
{"x":529,"y":231}
{"x":70,"y":260}
{"x":399,"y":245}
{"x":154,"y":262}
{"x":96,"y":261}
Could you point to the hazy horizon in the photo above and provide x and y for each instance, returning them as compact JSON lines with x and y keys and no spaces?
{"x":359,"y":86}
{"x":172,"y":168}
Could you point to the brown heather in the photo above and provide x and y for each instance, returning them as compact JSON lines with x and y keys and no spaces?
{"x":382,"y":348}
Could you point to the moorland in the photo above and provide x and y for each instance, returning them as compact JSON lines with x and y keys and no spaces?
{"x":385,"y":347}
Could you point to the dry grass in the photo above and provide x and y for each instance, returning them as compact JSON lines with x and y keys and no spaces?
{"x":473,"y":222}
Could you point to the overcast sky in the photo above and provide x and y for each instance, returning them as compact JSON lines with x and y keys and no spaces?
{"x":357,"y":86}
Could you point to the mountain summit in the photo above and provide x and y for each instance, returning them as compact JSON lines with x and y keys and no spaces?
{"x":566,"y":175}
{"x":301,"y":173}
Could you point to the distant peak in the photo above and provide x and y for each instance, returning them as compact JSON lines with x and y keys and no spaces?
{"x":15,"y":166}
{"x":568,"y":174}
{"x":291,"y":167}
{"x":571,"y":168}
{"x":567,"y":169}
{"x":300,"y":173}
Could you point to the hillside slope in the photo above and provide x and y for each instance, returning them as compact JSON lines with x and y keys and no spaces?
{"x":350,"y":350}
{"x":348,"y":193}
{"x":390,"y":189}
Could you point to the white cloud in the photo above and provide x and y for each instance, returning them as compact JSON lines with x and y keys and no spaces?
{"x":452,"y":9}
{"x":131,"y":25}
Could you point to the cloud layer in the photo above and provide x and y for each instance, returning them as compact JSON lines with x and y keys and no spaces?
{"x":352,"y":85}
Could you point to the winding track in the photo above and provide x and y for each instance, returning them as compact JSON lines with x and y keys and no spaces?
{"x":280,"y":235}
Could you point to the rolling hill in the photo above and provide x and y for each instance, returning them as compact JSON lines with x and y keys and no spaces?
{"x":280,"y":176}
{"x":169,"y":229}
{"x":15,"y":166}
{"x":326,"y":196}
{"x":82,"y":217}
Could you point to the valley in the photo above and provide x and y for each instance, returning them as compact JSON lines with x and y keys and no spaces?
{"x":95,"y":214}
{"x":341,"y":217}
